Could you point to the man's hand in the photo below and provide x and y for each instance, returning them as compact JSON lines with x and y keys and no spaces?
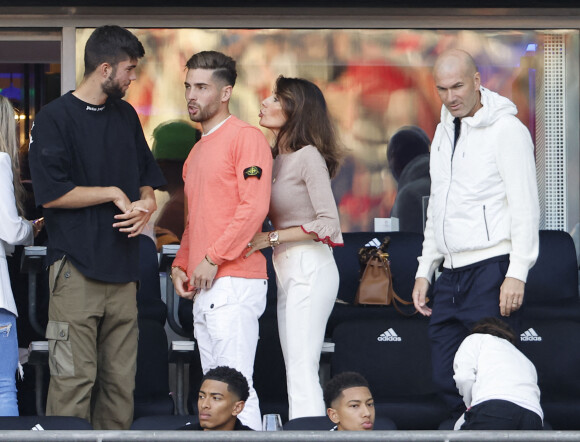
{"x":203,"y":275}
{"x":120,"y":199}
{"x":511,"y":296}
{"x":180,"y":282}
{"x":136,"y":217}
{"x":420,"y":294}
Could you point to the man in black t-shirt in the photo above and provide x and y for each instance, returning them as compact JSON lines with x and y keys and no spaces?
{"x":94,"y":175}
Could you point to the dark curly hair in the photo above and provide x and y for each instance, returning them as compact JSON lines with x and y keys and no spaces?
{"x":237,"y":383}
{"x":348,"y":379}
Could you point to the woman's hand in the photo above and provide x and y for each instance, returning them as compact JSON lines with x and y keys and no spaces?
{"x":258,"y":242}
{"x":37,"y":226}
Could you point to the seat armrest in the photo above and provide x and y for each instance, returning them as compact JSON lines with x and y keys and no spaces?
{"x":166,"y":257}
{"x":33,"y":259}
{"x":38,"y":353}
{"x":180,"y":353}
{"x":327,"y":347}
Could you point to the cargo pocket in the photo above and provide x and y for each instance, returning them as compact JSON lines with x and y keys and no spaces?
{"x":218,"y":314}
{"x":60,"y":358}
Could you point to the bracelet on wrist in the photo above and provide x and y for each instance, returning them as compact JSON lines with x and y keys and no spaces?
{"x":210,"y":261}
{"x":176,"y":267}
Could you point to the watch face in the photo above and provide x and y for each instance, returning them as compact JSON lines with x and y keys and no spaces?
{"x":273,"y":236}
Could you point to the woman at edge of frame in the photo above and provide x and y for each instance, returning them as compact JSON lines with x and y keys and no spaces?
{"x":305,"y":218}
{"x":14,"y":230}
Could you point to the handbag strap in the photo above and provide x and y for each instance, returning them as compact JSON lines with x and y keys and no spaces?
{"x":404,"y":302}
{"x":396,"y":298}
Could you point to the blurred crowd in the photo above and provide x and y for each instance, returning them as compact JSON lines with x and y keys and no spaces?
{"x":375,"y":82}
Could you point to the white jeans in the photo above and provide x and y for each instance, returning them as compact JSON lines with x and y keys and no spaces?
{"x":307,"y":280}
{"x":225,"y":324}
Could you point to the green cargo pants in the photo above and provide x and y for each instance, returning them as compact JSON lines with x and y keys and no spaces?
{"x":92,"y":343}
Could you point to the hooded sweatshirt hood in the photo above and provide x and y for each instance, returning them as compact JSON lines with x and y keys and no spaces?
{"x":494,"y":107}
{"x":481,"y":206}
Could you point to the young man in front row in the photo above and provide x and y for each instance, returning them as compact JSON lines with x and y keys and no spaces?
{"x":222,"y":396}
{"x":350,"y":404}
{"x":228,"y":176}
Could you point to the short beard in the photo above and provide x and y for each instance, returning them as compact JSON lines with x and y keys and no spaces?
{"x":112,"y":88}
{"x":199,"y":118}
{"x":204,"y":114}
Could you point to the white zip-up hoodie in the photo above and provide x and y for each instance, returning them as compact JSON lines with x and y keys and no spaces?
{"x":484,"y":196}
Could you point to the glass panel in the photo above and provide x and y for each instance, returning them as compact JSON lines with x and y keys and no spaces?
{"x":375,"y":82}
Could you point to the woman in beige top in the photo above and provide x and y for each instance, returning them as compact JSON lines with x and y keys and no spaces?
{"x":304,"y":214}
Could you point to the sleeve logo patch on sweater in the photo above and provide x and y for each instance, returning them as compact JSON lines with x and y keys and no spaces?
{"x":252,"y":171}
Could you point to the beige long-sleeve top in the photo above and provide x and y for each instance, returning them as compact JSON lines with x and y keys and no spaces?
{"x":302,"y":196}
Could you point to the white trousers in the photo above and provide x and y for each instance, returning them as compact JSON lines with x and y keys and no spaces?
{"x":307,"y":279}
{"x":225,"y":325}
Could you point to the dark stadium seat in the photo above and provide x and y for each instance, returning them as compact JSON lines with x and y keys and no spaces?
{"x":316,"y":423}
{"x":149,"y":302}
{"x":403,"y":250}
{"x":44,"y":422}
{"x":163,"y":423}
{"x":552,"y":345}
{"x":152,"y":394}
{"x":269,"y":368}
{"x":552,"y":286}
{"x":394,"y":356}
{"x":323,"y":423}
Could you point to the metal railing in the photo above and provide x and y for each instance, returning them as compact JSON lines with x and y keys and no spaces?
{"x":294,"y":436}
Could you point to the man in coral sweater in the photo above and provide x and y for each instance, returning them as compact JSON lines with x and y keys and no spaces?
{"x":228,"y":177}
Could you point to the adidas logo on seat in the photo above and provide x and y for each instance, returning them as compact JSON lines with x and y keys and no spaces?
{"x":530,"y":335}
{"x":389,"y":335}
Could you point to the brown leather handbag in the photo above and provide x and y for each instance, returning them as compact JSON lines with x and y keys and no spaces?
{"x":376,"y":282}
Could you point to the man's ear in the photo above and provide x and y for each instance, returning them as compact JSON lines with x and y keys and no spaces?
{"x":477,"y":80}
{"x":333,"y":415}
{"x":238,"y":407}
{"x":226,"y":93}
{"x":104,"y":70}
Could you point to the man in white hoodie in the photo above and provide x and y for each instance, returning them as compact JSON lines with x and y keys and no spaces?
{"x":482,"y":218}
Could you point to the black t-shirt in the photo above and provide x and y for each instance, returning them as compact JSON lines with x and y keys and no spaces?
{"x":197,"y":427}
{"x":73,"y":143}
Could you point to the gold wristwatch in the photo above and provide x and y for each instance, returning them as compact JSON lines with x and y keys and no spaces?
{"x":273,"y":237}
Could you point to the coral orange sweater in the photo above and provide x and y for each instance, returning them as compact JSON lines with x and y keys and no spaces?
{"x":227,"y":201}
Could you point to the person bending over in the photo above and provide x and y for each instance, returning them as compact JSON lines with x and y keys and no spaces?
{"x":498,"y":383}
